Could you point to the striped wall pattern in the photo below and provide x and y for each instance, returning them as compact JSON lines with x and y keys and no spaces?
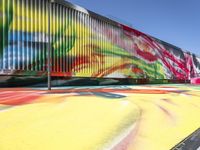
{"x":83,"y":44}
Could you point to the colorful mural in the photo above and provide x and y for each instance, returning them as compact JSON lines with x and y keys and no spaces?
{"x":83,"y":44}
{"x":90,"y":118}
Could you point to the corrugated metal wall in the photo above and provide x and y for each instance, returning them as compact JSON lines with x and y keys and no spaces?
{"x":25,"y":37}
{"x":83,"y":44}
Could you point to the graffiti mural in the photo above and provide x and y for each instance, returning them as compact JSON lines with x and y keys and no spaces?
{"x":99,"y":117}
{"x":83,"y":44}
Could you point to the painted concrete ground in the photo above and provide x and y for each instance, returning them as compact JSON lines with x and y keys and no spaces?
{"x":98,"y":118}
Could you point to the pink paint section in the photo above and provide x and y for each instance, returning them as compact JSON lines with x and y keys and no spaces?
{"x":125,"y":143}
{"x":195,"y":80}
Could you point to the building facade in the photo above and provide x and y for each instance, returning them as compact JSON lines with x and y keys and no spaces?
{"x":83,"y":44}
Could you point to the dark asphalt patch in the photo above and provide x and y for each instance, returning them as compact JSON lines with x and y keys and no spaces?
{"x":192,"y":142}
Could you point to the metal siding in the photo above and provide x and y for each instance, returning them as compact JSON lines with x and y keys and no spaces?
{"x":97,"y":33}
{"x":87,"y":53}
{"x":101,"y":45}
{"x":80,"y":52}
{"x":43,"y":48}
{"x":57,"y":38}
{"x":1,"y":35}
{"x":79,"y":39}
{"x":27,"y":37}
{"x":54,"y":23}
{"x":75,"y":48}
{"x":11,"y":41}
{"x":22,"y":57}
{"x":7,"y":33}
{"x":46,"y":5}
{"x":24,"y":38}
{"x":66,"y":12}
{"x":91,"y":45}
{"x":8,"y":48}
{"x":40,"y":61}
{"x":72,"y":30}
{"x":83,"y":52}
{"x":78,"y":36}
{"x":67,"y":40}
{"x":63,"y":38}
{"x":35,"y":35}
{"x":60,"y":40}
{"x":87,"y":47}
{"x":112,"y":36}
{"x":53,"y":37}
{"x":90,"y":41}
{"x":70,"y":39}
{"x":91,"y":37}
{"x":32,"y":34}
{"x":99,"y":29}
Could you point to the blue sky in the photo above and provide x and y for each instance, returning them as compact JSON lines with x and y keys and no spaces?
{"x":174,"y":21}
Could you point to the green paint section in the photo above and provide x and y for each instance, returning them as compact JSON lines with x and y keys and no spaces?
{"x":64,"y":39}
{"x":152,"y":70}
{"x":149,"y":69}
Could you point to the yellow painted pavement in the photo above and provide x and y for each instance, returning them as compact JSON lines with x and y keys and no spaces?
{"x":80,"y":123}
{"x":97,"y":120}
